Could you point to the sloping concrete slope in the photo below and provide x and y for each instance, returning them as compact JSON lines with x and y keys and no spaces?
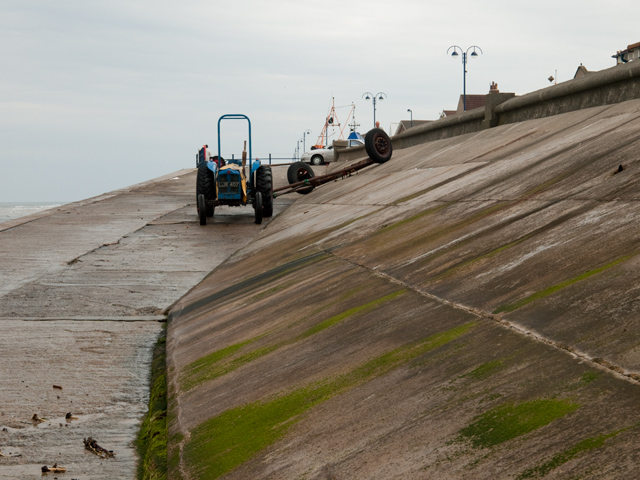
{"x":467,"y":310}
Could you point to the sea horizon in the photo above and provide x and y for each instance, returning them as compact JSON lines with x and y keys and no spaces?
{"x":13,"y":210}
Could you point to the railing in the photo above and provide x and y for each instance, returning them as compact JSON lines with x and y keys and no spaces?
{"x":266,"y":160}
{"x":272,"y":160}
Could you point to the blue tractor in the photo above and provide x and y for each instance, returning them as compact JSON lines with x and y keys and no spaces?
{"x":232,"y":182}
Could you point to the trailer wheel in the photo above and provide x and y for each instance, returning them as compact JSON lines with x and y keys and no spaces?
{"x":298,"y":172}
{"x":206,"y":185}
{"x":202,"y":210}
{"x":257,"y":205}
{"x":264,"y":185}
{"x":378,"y":145}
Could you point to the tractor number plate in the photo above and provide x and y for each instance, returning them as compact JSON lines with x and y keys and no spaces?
{"x":229,"y":184}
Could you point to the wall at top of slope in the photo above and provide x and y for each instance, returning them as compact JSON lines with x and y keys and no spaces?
{"x":613,"y":85}
{"x":606,"y":87}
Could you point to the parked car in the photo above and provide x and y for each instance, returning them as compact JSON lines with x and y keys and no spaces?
{"x":321,"y":156}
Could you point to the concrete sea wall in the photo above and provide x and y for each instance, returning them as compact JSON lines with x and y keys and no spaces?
{"x":467,"y":310}
{"x":605,"y":87}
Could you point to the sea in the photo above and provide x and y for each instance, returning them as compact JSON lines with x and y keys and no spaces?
{"x":11,"y":210}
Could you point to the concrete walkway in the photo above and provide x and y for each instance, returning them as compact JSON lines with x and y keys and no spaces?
{"x":83,"y":290}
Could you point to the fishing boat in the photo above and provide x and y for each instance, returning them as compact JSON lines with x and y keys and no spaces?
{"x":332,"y":121}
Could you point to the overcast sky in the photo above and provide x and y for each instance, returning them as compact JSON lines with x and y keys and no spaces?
{"x":99,"y":95}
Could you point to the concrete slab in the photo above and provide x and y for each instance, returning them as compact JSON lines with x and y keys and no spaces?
{"x":82,"y":290}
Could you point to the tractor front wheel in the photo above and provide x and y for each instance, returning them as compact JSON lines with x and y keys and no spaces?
{"x":257,"y":205}
{"x":202,"y":210}
{"x":206,"y":185}
{"x":264,"y":185}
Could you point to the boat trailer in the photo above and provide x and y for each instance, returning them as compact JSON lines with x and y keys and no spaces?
{"x":302,"y":179}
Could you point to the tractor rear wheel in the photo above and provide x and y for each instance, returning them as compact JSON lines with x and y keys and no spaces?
{"x":264,"y":185}
{"x":206,"y":185}
{"x":298,"y":172}
{"x":378,"y":145}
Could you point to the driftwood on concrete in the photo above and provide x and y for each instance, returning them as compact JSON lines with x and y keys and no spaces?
{"x":37,"y":419}
{"x":54,"y":469}
{"x":91,"y":445}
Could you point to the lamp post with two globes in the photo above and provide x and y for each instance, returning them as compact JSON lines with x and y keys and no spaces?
{"x":378,"y":96}
{"x":464,"y":68}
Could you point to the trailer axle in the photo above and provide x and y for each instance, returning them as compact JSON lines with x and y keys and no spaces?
{"x":322,"y":179}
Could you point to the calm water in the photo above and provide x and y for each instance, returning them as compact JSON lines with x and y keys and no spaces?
{"x":10,"y":210}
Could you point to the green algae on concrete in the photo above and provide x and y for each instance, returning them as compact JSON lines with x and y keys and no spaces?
{"x":510,"y":420}
{"x":173,"y":456}
{"x":579,"y":448}
{"x":553,"y":289}
{"x":224,"y":442}
{"x":203,"y":368}
{"x":348,"y":313}
{"x":218,"y":363}
{"x":485,"y":370}
{"x":152,"y":437}
{"x":588,"y":377}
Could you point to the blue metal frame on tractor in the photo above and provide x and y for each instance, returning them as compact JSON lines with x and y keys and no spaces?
{"x":234,"y":116}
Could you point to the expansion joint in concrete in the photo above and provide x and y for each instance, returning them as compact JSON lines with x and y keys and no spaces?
{"x":597,"y":363}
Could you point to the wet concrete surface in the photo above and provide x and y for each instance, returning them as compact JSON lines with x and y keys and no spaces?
{"x":83,"y":291}
{"x":102,"y":369}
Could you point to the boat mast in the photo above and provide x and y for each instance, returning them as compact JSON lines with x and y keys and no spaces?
{"x":353,"y":126}
{"x":332,"y":121}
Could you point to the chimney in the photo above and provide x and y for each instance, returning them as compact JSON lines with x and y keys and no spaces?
{"x":494,"y":88}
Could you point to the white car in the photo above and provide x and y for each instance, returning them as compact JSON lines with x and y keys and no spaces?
{"x":320,"y":156}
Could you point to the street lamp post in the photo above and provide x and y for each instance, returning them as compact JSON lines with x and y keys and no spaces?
{"x":378,"y":96}
{"x":411,"y":111}
{"x":464,"y":68}
{"x":304,"y":139}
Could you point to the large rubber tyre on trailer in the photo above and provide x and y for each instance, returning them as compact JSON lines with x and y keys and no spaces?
{"x":206,"y":185}
{"x":298,"y":172}
{"x":202,"y":211}
{"x":257,"y":206}
{"x":378,"y":145}
{"x":264,"y":185}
